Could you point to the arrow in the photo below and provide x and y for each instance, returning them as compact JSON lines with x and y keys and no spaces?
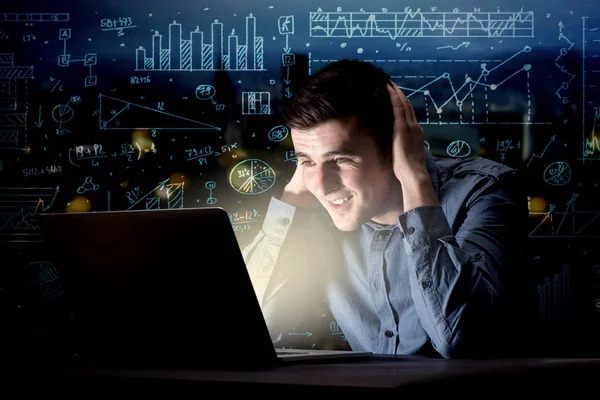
{"x":570,"y":205}
{"x":307,"y":334}
{"x":173,"y":186}
{"x":53,"y":198}
{"x":41,"y":204}
{"x":39,"y":122}
{"x":63,"y":109}
{"x":160,"y":186}
{"x":547,"y":216}
{"x":552,"y":138}
{"x":465,"y":44}
{"x":287,"y":48}
{"x":287,"y":75}
{"x":26,"y":148}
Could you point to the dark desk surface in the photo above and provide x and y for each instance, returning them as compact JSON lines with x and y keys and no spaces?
{"x":406,"y":375}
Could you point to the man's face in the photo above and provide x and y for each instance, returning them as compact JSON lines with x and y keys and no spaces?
{"x":344,"y":170}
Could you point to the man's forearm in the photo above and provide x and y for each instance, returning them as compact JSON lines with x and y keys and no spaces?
{"x":417,"y":191}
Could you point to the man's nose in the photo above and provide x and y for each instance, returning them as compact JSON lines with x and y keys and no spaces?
{"x":326,"y":180}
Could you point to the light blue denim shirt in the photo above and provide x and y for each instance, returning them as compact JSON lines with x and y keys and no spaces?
{"x":436,"y":280}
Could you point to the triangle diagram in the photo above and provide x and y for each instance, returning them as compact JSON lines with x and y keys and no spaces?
{"x":121,"y":114}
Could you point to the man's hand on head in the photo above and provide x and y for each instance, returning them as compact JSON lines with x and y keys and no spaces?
{"x":408,"y":138}
{"x":408,"y":153}
{"x":296,"y":193}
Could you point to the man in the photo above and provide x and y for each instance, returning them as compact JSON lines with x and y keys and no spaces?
{"x":414,"y":254}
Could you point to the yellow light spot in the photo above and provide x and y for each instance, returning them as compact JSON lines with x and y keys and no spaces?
{"x":537,"y":204}
{"x":140,"y":134}
{"x":178,"y":177}
{"x":141,"y":140}
{"x":124,"y":184}
{"x":78,"y":204}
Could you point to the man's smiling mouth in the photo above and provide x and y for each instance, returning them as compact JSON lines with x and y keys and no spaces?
{"x":340,"y":202}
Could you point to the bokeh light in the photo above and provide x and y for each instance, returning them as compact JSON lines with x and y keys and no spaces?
{"x":141,"y":140}
{"x":78,"y":204}
{"x":537,"y":204}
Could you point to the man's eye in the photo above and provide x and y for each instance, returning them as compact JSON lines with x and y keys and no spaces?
{"x":305,"y":162}
{"x":341,"y":160}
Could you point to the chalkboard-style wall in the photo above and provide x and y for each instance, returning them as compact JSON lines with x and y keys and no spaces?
{"x":152,"y":104}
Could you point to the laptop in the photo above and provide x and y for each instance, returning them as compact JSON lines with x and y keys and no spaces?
{"x":164,"y":288}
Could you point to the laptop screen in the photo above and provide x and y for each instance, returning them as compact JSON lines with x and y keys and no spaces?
{"x":165,"y":286}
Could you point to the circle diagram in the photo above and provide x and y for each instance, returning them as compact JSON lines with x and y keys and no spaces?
{"x":40,"y":282}
{"x":557,"y":174}
{"x":62,"y":113}
{"x":458,"y":148}
{"x":252,"y":176}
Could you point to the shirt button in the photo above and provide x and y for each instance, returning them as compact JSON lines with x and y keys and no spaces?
{"x":425,"y":284}
{"x":389,"y":334}
{"x":286,"y":221}
{"x":402,"y":235}
{"x":410,"y":230}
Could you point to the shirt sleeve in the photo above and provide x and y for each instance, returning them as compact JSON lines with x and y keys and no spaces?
{"x":458,"y":277}
{"x":279,"y":264}
{"x":262,"y":252}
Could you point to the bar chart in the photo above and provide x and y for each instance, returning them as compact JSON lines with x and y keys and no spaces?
{"x":203,"y":51}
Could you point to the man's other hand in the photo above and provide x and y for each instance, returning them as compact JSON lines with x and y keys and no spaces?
{"x":296,"y":193}
{"x":408,"y":138}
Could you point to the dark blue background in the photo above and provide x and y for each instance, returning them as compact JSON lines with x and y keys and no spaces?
{"x":541,"y":120}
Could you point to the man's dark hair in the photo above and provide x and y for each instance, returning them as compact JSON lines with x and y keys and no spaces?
{"x":340,"y":90}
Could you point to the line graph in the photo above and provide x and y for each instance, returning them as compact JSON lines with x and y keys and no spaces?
{"x":460,"y":94}
{"x":592,"y":143}
{"x":454,"y":91}
{"x":18,"y":209}
{"x":590,"y":78}
{"x":444,"y":93}
{"x":535,"y":156}
{"x":422,"y":24}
